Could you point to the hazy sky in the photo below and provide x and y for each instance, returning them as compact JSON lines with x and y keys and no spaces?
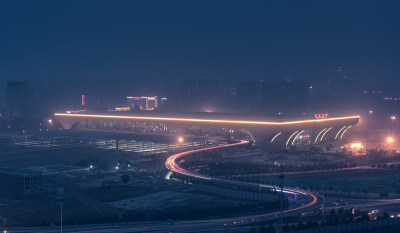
{"x":224,"y":39}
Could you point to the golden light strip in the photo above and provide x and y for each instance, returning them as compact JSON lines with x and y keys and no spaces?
{"x":297,"y":136}
{"x":207,"y":120}
{"x":345,"y":131}
{"x":287,"y":142}
{"x":323,"y":135}
{"x":276,"y":136}
{"x":340,"y":131}
{"x":316,"y":139}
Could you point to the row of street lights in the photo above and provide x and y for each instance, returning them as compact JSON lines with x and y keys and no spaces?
{"x":390,"y":139}
{"x":392,"y":117}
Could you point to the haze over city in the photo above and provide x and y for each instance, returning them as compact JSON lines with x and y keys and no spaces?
{"x":199,"y":116}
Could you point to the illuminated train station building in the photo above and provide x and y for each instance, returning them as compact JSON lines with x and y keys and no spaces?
{"x":274,"y":132}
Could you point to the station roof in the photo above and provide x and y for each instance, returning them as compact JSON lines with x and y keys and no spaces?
{"x":205,"y":117}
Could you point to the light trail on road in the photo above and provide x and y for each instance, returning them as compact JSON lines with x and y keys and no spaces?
{"x":188,"y":225}
{"x":173,"y":166}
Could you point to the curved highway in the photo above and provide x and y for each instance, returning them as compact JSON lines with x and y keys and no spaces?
{"x":172,"y":164}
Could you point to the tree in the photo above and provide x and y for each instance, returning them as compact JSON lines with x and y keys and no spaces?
{"x":270,"y":229}
{"x":385,"y":215}
{"x":309,"y":225}
{"x":125,"y":178}
{"x":262,"y":229}
{"x":363,"y":218}
{"x":341,"y":211}
{"x":252,"y":230}
{"x":332,"y":212}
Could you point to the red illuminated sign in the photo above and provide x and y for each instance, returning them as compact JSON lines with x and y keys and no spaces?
{"x":83,"y":99}
{"x":321,"y":116}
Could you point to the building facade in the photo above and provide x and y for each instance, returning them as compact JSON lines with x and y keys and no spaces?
{"x":17,"y":105}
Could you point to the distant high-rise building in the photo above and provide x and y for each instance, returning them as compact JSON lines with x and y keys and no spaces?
{"x":337,"y":90}
{"x":247,"y":95}
{"x":287,"y":96}
{"x":17,"y":104}
{"x":198,"y":94}
{"x":145,"y":103}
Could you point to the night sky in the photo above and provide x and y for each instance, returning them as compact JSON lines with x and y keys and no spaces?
{"x":235,"y":40}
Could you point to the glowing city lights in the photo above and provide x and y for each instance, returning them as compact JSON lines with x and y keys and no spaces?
{"x":83,"y":100}
{"x":389,"y":139}
{"x":356,"y":145}
{"x":321,"y":116}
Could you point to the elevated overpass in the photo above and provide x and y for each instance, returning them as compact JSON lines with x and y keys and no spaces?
{"x":281,"y":131}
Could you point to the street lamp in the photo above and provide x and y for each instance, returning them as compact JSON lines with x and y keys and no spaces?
{"x":50,"y":123}
{"x":393,"y":117}
{"x":390,"y":141}
{"x":180,"y":141}
{"x":281,"y":177}
{"x":61,"y":217}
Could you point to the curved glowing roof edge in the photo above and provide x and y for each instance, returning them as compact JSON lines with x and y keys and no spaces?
{"x":205,"y":120}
